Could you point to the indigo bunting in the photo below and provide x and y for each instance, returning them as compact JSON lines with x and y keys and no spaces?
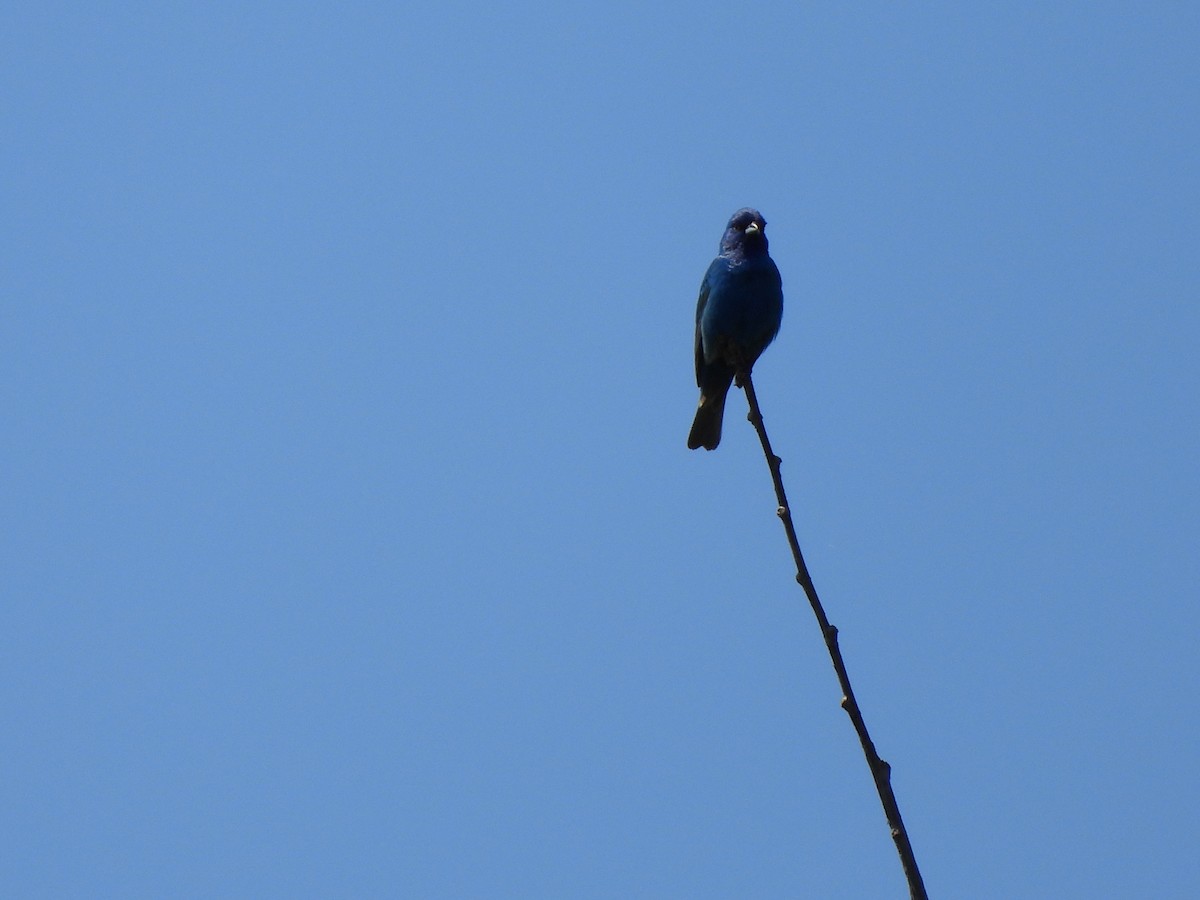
{"x":737,"y":316}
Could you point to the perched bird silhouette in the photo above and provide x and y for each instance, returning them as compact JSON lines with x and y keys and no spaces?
{"x":737,"y":316}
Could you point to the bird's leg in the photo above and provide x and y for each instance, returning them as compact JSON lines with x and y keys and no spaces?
{"x":740,"y":369}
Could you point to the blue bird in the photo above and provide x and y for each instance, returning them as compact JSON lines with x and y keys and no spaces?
{"x":737,"y":316}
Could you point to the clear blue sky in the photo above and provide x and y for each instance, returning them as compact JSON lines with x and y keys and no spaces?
{"x":350,"y":542}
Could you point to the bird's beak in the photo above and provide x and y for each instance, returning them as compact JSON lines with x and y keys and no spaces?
{"x":752,"y":228}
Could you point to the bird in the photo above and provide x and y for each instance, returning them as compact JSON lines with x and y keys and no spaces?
{"x":737,"y":316}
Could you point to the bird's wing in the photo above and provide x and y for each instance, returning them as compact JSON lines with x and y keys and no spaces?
{"x":700,"y":312}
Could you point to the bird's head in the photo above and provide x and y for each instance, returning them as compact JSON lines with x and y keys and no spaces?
{"x":746,"y":231}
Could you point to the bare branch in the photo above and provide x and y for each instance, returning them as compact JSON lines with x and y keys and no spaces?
{"x":880,"y":770}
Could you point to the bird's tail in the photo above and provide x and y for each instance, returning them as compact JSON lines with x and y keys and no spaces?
{"x":706,"y":428}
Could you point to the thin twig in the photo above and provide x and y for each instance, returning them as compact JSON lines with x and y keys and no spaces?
{"x":880,"y":770}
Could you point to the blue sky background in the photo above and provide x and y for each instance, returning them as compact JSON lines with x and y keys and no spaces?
{"x":351,"y":546}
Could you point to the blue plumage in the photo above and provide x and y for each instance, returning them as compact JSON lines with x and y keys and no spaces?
{"x":737,"y":316}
